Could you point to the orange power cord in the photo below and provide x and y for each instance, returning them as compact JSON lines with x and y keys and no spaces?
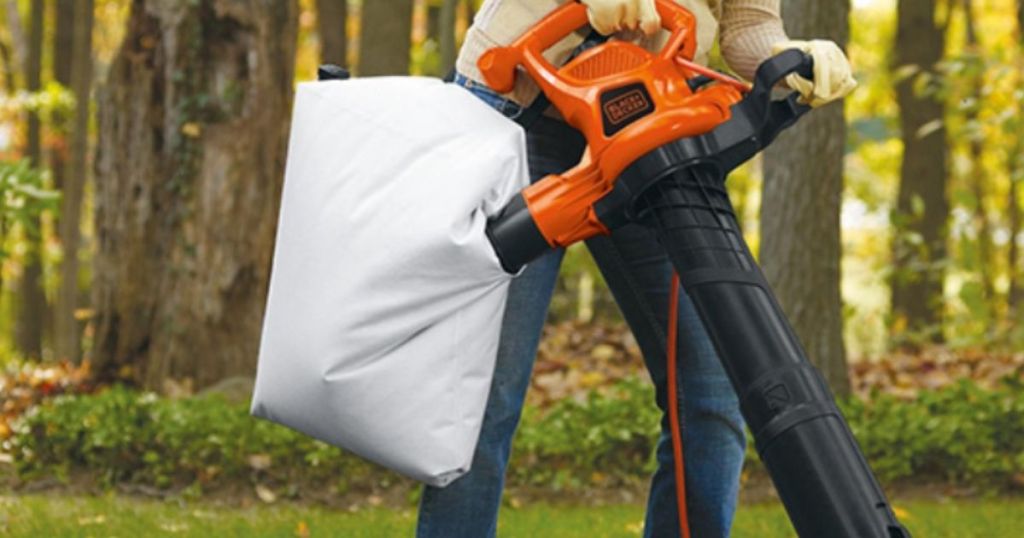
{"x":673,"y":408}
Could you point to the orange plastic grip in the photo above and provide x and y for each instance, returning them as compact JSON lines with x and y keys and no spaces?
{"x":498,"y":65}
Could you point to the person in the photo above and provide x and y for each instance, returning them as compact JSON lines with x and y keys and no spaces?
{"x":635,"y":267}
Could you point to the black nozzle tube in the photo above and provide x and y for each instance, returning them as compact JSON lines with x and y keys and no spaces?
{"x":814,"y":461}
{"x":515,"y":236}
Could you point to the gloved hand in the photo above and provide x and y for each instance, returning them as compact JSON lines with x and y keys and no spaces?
{"x":610,"y":16}
{"x":833,"y":76}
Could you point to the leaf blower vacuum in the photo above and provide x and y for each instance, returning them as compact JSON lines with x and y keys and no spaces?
{"x":662,"y":134}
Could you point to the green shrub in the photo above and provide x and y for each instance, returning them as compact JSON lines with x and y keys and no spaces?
{"x":609,"y":438}
{"x":961,"y":435}
{"x":127,"y":436}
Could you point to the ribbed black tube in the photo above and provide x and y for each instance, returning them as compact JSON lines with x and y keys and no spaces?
{"x":810,"y":453}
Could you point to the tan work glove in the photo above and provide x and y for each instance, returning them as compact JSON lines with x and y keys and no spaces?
{"x":833,"y":76}
{"x":610,"y":16}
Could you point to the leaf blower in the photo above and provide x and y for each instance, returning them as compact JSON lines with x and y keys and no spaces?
{"x":662,"y":134}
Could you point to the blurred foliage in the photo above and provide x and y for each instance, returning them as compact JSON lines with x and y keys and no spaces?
{"x":24,"y":385}
{"x":961,"y":435}
{"x":24,"y":195}
{"x":52,"y":99}
{"x":607,"y":438}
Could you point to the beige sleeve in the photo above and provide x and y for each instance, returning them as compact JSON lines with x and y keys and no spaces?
{"x":749,"y":28}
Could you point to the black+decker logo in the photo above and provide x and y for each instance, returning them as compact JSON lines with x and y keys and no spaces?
{"x":626,"y":106}
{"x":622,"y":106}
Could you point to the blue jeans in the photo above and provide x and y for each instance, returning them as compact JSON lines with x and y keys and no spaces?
{"x":638,"y":273}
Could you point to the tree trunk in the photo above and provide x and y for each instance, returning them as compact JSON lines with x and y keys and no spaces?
{"x":922,"y":207}
{"x":386,"y":37}
{"x":67,"y":332}
{"x":446,"y":37}
{"x":8,"y":70}
{"x":62,"y":41}
{"x":31,"y":301}
{"x":976,"y":178}
{"x":59,"y":125}
{"x":18,"y":39}
{"x":433,"y":16}
{"x":193,"y":121}
{"x":331,"y":16}
{"x":802,"y":194}
{"x":1015,"y":295}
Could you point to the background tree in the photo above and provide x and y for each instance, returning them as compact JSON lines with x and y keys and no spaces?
{"x":31,"y":301}
{"x":66,"y":330}
{"x":63,"y":37}
{"x":332,"y":18}
{"x":1015,"y":294}
{"x":192,"y":128}
{"x":975,"y":152}
{"x":385,"y":37}
{"x":803,"y":185}
{"x":446,"y":35}
{"x":922,"y":206}
{"x":18,"y":43}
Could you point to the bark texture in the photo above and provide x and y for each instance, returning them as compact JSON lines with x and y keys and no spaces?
{"x":922,"y":206}
{"x":802,"y":193}
{"x":385,"y":38}
{"x":31,"y":301}
{"x":331,"y":17}
{"x":67,"y":331}
{"x":59,"y":128}
{"x":193,"y":121}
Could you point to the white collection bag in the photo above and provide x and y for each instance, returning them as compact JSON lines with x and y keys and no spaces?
{"x":386,"y":298}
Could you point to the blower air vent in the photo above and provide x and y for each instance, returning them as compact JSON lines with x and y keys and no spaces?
{"x":609,"y":61}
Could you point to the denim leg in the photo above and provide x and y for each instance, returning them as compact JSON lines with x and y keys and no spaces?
{"x":468,"y":507}
{"x":638,"y":273}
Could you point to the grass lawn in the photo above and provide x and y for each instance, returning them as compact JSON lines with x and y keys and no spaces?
{"x":58,"y":516}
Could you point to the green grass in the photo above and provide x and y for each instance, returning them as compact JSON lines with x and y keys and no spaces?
{"x":112,"y":516}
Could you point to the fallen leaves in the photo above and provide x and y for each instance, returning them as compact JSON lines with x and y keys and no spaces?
{"x":26,"y":384}
{"x":905,"y":374}
{"x":92,"y":520}
{"x":173,"y":527}
{"x":192,"y":129}
{"x":265,"y":494}
{"x":259,"y":462}
{"x":575,"y":358}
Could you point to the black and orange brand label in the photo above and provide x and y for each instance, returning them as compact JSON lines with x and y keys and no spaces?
{"x":624,"y":105}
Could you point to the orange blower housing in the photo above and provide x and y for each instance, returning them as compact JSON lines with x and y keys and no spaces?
{"x":625,"y":100}
{"x":641,"y":114}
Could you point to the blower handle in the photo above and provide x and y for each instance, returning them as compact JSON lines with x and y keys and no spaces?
{"x":777,"y":115}
{"x":498,"y":65}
